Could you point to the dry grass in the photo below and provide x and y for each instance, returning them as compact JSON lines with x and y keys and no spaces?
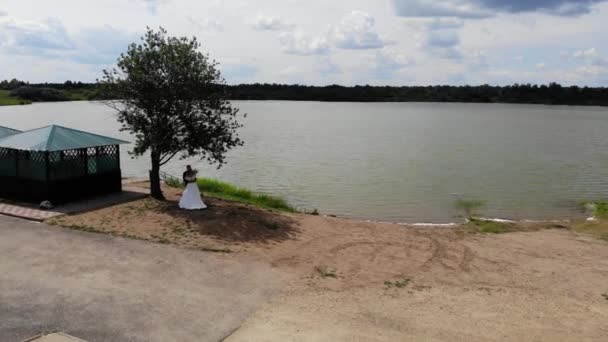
{"x":597,"y":228}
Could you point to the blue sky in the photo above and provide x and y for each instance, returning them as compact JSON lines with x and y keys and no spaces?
{"x":378,"y":42}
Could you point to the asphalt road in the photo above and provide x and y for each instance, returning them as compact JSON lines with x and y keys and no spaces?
{"x":102,"y":288}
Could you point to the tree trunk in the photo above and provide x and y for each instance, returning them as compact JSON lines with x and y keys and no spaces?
{"x":155,"y":190}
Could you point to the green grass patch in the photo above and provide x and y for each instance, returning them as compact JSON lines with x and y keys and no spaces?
{"x":223,"y":190}
{"x":7,"y":100}
{"x":490,"y":227}
{"x":598,"y":209}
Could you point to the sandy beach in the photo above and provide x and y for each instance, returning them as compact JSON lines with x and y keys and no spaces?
{"x":365,"y":281}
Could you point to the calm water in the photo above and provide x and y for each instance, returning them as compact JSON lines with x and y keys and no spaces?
{"x":403,"y":162}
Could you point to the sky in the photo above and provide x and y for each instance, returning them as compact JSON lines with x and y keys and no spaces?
{"x":321,"y":42}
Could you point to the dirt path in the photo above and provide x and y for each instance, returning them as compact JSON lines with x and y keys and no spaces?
{"x":373,"y":282}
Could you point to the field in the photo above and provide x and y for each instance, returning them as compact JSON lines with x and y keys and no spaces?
{"x":7,"y":100}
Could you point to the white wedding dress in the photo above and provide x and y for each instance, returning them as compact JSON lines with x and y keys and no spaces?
{"x":191,"y":198}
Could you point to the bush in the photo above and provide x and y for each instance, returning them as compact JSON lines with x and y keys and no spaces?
{"x":39,"y":94}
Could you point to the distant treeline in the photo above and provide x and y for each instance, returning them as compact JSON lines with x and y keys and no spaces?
{"x":517,"y":93}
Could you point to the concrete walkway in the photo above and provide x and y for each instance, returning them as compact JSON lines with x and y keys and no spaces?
{"x":32,"y":212}
{"x":100,"y":288}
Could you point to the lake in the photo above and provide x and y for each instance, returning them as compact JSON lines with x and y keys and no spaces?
{"x":400,"y":162}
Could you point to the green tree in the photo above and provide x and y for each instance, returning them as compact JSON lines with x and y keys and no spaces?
{"x":173,"y":99}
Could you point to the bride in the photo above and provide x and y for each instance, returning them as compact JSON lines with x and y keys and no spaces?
{"x":191,"y":198}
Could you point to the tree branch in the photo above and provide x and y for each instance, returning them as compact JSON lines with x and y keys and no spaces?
{"x":169,"y":156}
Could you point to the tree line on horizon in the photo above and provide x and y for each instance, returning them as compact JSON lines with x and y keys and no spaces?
{"x":553,"y":93}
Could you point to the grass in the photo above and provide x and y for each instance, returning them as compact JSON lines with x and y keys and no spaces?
{"x":223,"y":190}
{"x":598,"y":228}
{"x":397,"y":283}
{"x":7,"y":100}
{"x":598,"y":209}
{"x":325,"y":272}
{"x":219,"y":189}
{"x":490,"y":227}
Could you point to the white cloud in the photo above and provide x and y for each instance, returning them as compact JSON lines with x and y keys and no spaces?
{"x":476,"y":9}
{"x":154,"y":4}
{"x":443,"y":44}
{"x":387,"y":64}
{"x":34,"y":37}
{"x":270,"y":23}
{"x":590,"y":53}
{"x":206,"y":26}
{"x":298,"y":43}
{"x":541,"y":65}
{"x":356,"y":31}
{"x":439,"y":23}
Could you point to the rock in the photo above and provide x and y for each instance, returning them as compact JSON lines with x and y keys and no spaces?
{"x":46,"y":205}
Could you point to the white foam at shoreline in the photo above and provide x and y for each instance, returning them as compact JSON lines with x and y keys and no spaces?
{"x":454,"y":224}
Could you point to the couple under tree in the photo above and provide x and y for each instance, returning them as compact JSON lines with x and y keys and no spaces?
{"x":191,"y":197}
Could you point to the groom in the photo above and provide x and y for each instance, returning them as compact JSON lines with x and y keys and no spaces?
{"x":187,"y":174}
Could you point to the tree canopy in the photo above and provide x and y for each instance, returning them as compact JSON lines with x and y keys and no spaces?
{"x":173,"y":99}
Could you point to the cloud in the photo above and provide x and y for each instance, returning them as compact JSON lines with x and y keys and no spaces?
{"x":154,"y":4}
{"x":206,"y":26}
{"x":475,"y":9}
{"x":101,"y":45}
{"x":356,"y":31}
{"x":33,"y":37}
{"x":586,"y":54}
{"x":239,"y":73}
{"x":442,"y":39}
{"x":591,"y":55}
{"x":387,"y":63}
{"x":438,"y":23}
{"x":298,"y":43}
{"x":327,"y":67}
{"x":270,"y":23}
{"x":49,"y":39}
{"x":443,"y":44}
{"x":3,"y":13}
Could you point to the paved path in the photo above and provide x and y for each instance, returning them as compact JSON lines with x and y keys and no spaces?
{"x":32,"y":212}
{"x":101,"y":288}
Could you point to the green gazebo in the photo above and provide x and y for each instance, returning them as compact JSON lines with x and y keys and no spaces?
{"x":57,"y":164}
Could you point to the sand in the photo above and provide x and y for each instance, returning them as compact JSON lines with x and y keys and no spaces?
{"x":363,"y":281}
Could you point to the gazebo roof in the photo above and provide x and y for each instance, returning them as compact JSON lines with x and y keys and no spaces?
{"x":5,"y":131}
{"x":56,"y":138}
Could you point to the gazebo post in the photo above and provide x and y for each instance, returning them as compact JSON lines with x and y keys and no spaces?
{"x":86,"y":161}
{"x":16,"y":153}
{"x":118,"y":155}
{"x":47,"y":165}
